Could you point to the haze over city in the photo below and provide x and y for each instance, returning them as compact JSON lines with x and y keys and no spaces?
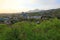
{"x":13,"y":6}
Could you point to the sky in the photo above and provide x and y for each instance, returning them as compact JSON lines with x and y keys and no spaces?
{"x":13,"y":6}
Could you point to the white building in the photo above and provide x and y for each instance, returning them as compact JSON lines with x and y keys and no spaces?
{"x":33,"y":17}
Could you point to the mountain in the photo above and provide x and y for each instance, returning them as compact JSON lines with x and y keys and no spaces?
{"x":36,"y":10}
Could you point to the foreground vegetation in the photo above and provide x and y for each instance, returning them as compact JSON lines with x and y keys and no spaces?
{"x":47,"y":30}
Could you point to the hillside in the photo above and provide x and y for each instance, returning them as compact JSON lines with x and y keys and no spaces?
{"x":52,"y":12}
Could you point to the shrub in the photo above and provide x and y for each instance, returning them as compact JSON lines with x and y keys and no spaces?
{"x":47,"y":30}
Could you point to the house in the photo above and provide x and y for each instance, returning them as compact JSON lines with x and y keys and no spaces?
{"x":24,"y":15}
{"x":33,"y":17}
{"x":1,"y":20}
{"x":7,"y":21}
{"x":15,"y":18}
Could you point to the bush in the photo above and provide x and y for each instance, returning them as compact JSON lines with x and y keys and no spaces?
{"x":4,"y":29}
{"x":47,"y":30}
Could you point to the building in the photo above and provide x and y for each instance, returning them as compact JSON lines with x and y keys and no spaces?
{"x":7,"y":21}
{"x":33,"y":17}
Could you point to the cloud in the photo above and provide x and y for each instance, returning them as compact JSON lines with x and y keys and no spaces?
{"x":24,"y":5}
{"x":47,"y":4}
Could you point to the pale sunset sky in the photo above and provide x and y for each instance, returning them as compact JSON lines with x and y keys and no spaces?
{"x":13,"y":6}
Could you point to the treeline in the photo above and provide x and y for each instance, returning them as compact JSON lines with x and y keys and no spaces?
{"x":46,"y":30}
